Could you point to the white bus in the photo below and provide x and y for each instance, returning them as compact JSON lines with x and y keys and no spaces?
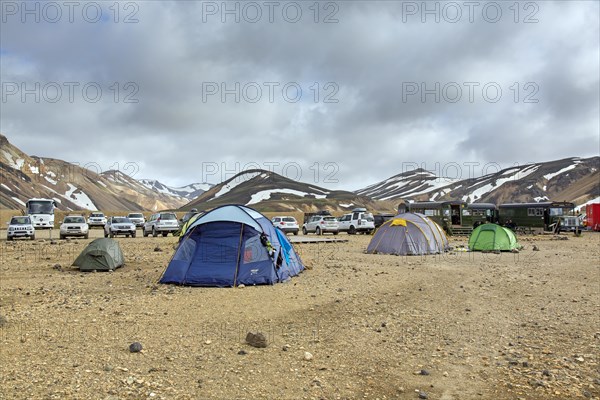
{"x":41,"y":212}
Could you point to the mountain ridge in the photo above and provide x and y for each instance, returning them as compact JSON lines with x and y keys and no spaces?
{"x":569,"y":179}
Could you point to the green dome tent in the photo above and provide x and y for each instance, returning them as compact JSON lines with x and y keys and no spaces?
{"x":100,"y":255}
{"x":492,"y":237}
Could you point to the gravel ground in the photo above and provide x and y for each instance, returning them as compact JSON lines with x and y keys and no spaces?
{"x":454,"y":326}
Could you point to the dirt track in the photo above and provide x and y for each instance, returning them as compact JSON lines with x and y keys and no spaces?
{"x":489,"y":326}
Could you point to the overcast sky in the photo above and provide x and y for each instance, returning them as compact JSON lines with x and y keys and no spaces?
{"x":191,"y":91}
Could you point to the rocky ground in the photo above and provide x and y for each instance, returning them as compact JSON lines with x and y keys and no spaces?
{"x":457,"y":326}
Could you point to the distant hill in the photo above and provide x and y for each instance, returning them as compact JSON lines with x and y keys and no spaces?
{"x":570,"y":179}
{"x":74,"y":188}
{"x":189,"y":192}
{"x":268,"y":191}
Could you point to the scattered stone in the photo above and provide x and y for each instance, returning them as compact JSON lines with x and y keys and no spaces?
{"x":525,"y":364}
{"x":286,"y":347}
{"x":135,"y":347}
{"x":535,"y":248}
{"x":445,"y":373}
{"x":242,"y":352}
{"x":580,"y":359}
{"x":157,"y":249}
{"x":108,"y":368}
{"x":3,"y":321}
{"x":256,"y":339}
{"x":424,"y":372}
{"x":308,"y":356}
{"x":207,"y":341}
{"x":53,"y":242}
{"x":58,"y":267}
{"x":546,"y":373}
{"x":241,"y":286}
{"x":423,"y":395}
{"x":538,"y":383}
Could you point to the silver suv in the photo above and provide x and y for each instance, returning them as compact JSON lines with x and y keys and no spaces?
{"x":359,"y":220}
{"x":74,"y":225}
{"x":321,"y":224}
{"x":137,"y":218}
{"x":96,"y":219}
{"x":286,"y":223}
{"x":119,"y":226}
{"x":163,"y":223}
{"x":20,"y":226}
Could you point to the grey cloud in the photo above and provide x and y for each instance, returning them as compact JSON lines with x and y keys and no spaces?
{"x":368,"y":133}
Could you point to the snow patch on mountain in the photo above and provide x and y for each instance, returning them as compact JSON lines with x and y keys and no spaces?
{"x":562,"y":171}
{"x":18,"y":201}
{"x":188,"y":192}
{"x":80,"y":199}
{"x":235,"y":182}
{"x":266,"y":195}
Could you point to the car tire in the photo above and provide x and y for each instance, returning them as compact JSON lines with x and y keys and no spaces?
{"x":126,"y":236}
{"x":87,"y":236}
{"x":335,"y":233}
{"x":165,"y":234}
{"x":318,"y":231}
{"x":144,"y":233}
{"x":154,"y":233}
{"x":352,"y":230}
{"x":105,"y":234}
{"x":32,"y":237}
{"x":9,"y":238}
{"x":304,"y":231}
{"x":62,"y":236}
{"x":133,"y":235}
{"x":296,"y":233}
{"x":112,"y":235}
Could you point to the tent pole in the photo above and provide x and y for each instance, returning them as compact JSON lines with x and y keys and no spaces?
{"x":237,"y":267}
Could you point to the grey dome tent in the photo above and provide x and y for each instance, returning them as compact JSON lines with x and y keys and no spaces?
{"x":409,"y":234}
{"x":100,"y":255}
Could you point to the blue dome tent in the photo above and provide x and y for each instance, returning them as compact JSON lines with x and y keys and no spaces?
{"x":229,"y":246}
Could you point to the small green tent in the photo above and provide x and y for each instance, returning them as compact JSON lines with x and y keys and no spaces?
{"x":100,"y":255}
{"x":492,"y":237}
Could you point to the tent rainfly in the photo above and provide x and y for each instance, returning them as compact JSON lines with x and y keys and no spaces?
{"x":229,"y":246}
{"x":409,"y":234}
{"x":100,"y":255}
{"x":488,"y":237}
